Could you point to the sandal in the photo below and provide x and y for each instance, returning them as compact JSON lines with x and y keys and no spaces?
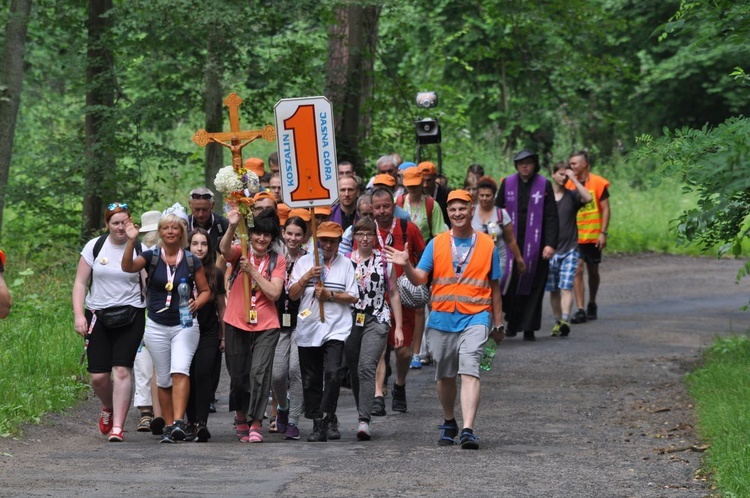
{"x":255,"y":435}
{"x":242,"y":430}
{"x":272,"y":427}
{"x":116,"y":435}
{"x":144,"y":424}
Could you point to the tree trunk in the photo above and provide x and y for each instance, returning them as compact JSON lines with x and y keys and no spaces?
{"x":99,"y":125}
{"x":11,"y":85}
{"x":351,"y":49}
{"x":214,"y":111}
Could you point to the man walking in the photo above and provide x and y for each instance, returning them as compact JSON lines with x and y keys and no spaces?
{"x":593,"y":221}
{"x":465,"y":301}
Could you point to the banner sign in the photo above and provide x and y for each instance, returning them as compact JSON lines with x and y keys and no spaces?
{"x":307,"y":152}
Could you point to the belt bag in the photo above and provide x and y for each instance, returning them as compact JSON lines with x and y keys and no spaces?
{"x":412,"y":296}
{"x":118,"y":316}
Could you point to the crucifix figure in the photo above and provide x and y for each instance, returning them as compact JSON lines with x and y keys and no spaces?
{"x":233,"y":139}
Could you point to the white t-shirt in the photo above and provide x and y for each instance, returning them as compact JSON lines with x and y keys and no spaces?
{"x":110,"y":286}
{"x":340,"y":277}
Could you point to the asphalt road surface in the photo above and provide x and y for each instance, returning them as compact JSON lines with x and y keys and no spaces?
{"x":603,"y":413}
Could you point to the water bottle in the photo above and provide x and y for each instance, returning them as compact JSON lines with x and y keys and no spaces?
{"x":490,"y":349}
{"x":186,"y":317}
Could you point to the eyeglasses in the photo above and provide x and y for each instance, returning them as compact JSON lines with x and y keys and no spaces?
{"x":364,"y":235}
{"x":116,"y":205}
{"x":202,"y":196}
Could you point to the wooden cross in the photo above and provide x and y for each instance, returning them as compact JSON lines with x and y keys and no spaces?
{"x":235,"y":135}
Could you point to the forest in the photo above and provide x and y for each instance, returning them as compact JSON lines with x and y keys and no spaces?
{"x":99,"y":100}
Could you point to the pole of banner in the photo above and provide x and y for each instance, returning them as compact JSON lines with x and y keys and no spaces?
{"x":317,"y":260}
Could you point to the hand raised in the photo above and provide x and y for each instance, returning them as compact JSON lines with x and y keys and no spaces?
{"x":397,"y":257}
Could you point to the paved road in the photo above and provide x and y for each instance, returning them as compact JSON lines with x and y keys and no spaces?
{"x":585,"y":416}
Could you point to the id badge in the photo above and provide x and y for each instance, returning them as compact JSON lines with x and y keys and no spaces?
{"x":360,"y":320}
{"x":286,"y":320}
{"x":253,"y":317}
{"x":304,"y":314}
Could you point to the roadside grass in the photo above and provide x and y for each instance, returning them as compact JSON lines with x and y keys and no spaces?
{"x":39,"y":350}
{"x":721,"y":389}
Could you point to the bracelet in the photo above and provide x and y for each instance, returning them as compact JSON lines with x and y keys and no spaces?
{"x":603,"y":233}
{"x":330,"y":299}
{"x":500,"y":329}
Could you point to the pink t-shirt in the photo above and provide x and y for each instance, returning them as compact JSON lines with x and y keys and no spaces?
{"x":268,"y":318}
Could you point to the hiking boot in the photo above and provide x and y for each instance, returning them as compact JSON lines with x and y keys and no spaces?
{"x":333,"y":428}
{"x":591,"y":310}
{"x":399,"y":398}
{"x":468,"y":440}
{"x":282,"y":421}
{"x":105,"y":420}
{"x":528,"y":335}
{"x":144,"y":424}
{"x":556,"y":329}
{"x":178,"y":430}
{"x":363,"y":430}
{"x":378,"y":406}
{"x":564,"y":328}
{"x":416,"y":362}
{"x":448,"y":433}
{"x":320,"y":431}
{"x":579,"y":316}
{"x":292,"y":431}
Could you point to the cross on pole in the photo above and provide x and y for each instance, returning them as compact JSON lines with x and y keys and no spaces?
{"x":235,"y":135}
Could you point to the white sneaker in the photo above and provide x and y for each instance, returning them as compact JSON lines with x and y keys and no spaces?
{"x":363,"y":431}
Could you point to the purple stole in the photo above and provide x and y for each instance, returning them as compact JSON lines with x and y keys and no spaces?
{"x":534,"y":219}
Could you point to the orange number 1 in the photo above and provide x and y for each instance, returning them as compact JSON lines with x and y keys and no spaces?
{"x":302,"y":122}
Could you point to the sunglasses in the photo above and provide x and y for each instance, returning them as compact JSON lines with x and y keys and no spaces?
{"x":116,"y":205}
{"x":202,"y":196}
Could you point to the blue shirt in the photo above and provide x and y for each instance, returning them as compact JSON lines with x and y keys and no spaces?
{"x":457,"y":321}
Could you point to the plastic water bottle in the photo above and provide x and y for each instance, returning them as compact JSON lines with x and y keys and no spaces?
{"x":186,"y":317}
{"x":490,"y":349}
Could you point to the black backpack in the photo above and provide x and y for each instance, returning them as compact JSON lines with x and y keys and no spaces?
{"x":189,"y":259}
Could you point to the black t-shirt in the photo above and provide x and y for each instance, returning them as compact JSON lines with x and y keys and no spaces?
{"x":157,"y":293}
{"x":208,"y":315}
{"x":286,"y":305}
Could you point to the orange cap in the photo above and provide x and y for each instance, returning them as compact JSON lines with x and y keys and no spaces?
{"x":283,"y":211}
{"x":322,"y":211}
{"x":264,"y":195}
{"x":256,"y":165}
{"x":412,"y":177}
{"x":427,"y":168}
{"x":384,"y":179}
{"x":330,"y":229}
{"x":459,"y":195}
{"x":301,"y":212}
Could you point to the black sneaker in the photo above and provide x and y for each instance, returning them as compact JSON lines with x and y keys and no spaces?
{"x":320,"y":431}
{"x":157,"y":426}
{"x":202,"y":435}
{"x":591,"y":311}
{"x":399,"y":398}
{"x":333,"y":428}
{"x":448,"y":433}
{"x":166,"y":436}
{"x":378,"y":406}
{"x":528,"y":335}
{"x":579,"y":316}
{"x":190,"y":433}
{"x":178,"y":430}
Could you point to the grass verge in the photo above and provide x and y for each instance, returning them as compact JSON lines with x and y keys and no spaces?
{"x":721,"y":389}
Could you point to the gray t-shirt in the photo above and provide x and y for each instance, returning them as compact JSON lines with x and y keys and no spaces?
{"x":567,"y":208}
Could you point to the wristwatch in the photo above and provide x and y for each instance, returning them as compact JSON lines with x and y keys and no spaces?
{"x":500,"y":329}
{"x":330,"y":299}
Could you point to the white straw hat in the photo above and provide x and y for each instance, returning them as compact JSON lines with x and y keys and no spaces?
{"x":150,"y":221}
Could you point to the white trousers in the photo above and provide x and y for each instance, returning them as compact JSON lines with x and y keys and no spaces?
{"x":172,"y":349}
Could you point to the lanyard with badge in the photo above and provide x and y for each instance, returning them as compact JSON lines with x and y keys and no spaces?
{"x":171,"y":270}
{"x":461,"y":260}
{"x":254,"y":287}
{"x":286,"y":317}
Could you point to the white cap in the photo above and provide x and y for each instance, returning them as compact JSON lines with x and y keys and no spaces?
{"x":177,"y":210}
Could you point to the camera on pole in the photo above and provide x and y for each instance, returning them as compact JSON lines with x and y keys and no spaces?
{"x":428,"y":129}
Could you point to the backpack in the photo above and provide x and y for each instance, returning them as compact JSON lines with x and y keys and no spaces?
{"x":98,"y":248}
{"x":429,"y":206}
{"x":236,"y":269}
{"x":189,"y":259}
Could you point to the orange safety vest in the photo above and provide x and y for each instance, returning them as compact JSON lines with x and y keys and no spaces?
{"x":589,"y":217}
{"x":471,"y":294}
